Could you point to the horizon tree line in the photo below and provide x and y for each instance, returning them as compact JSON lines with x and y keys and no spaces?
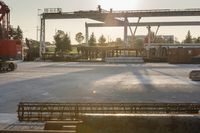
{"x":62,"y":40}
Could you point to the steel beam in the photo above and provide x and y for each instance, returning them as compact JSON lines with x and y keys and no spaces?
{"x":130,"y":28}
{"x":96,"y":15}
{"x":156,"y":33}
{"x":142,"y":24}
{"x":42,"y":36}
{"x":137,"y":26}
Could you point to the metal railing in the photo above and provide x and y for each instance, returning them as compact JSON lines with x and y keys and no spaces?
{"x":52,"y":10}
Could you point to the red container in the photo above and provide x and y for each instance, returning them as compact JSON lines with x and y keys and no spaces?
{"x":10,"y":49}
{"x":182,"y":55}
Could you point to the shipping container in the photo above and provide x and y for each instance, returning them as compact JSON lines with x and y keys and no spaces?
{"x":182,"y":55}
{"x":10,"y":50}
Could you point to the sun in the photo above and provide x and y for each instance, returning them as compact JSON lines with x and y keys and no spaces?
{"x":119,"y":4}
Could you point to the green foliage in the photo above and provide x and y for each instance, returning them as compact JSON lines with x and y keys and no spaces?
{"x":33,"y":49}
{"x":92,"y":40}
{"x":139,"y":44}
{"x":197,"y":40}
{"x":159,"y":39}
{"x":79,"y":37}
{"x":136,"y":43}
{"x":188,"y":38}
{"x":17,"y":34}
{"x":131,"y":41}
{"x":30,"y":43}
{"x":62,"y":42}
{"x":119,"y":42}
{"x":102,"y":41}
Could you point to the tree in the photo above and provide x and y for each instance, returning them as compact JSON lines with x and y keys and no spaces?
{"x":102,"y":40}
{"x":67,"y":43}
{"x":62,"y":42}
{"x":79,"y":37}
{"x":33,"y":49}
{"x":188,"y":38}
{"x":197,"y":40}
{"x":92,"y":40}
{"x":138,"y":44}
{"x":17,"y":33}
{"x":119,"y":42}
{"x":159,"y":39}
{"x":131,"y":41}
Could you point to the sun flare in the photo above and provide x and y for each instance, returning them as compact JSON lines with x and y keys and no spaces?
{"x":119,"y":4}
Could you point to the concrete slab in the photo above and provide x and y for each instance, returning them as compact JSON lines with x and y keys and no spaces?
{"x":97,"y":82}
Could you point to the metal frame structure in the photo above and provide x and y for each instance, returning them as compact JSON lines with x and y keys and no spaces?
{"x":143,"y":24}
{"x":35,"y":111}
{"x":42,"y":37}
{"x":111,"y":18}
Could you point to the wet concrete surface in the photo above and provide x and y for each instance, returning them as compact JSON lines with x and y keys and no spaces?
{"x":97,"y":82}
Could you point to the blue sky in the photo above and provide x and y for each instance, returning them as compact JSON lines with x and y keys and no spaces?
{"x":24,"y":13}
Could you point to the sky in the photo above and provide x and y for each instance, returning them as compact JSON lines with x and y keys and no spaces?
{"x":25,"y":14}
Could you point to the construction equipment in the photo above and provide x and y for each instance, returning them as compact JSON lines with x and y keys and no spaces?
{"x":195,"y":75}
{"x":10,"y":50}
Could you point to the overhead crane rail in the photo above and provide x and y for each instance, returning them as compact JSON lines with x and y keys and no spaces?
{"x":190,"y":23}
{"x":35,"y":111}
{"x":53,"y":10}
{"x":121,"y":13}
{"x":154,"y":10}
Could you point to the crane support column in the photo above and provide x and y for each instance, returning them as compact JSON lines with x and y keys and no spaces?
{"x":86,"y":34}
{"x":42,"y":37}
{"x":130,"y":28}
{"x":136,"y":26}
{"x":149,"y":41}
{"x":125,"y":32}
{"x":156,"y":33}
{"x":149,"y":35}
